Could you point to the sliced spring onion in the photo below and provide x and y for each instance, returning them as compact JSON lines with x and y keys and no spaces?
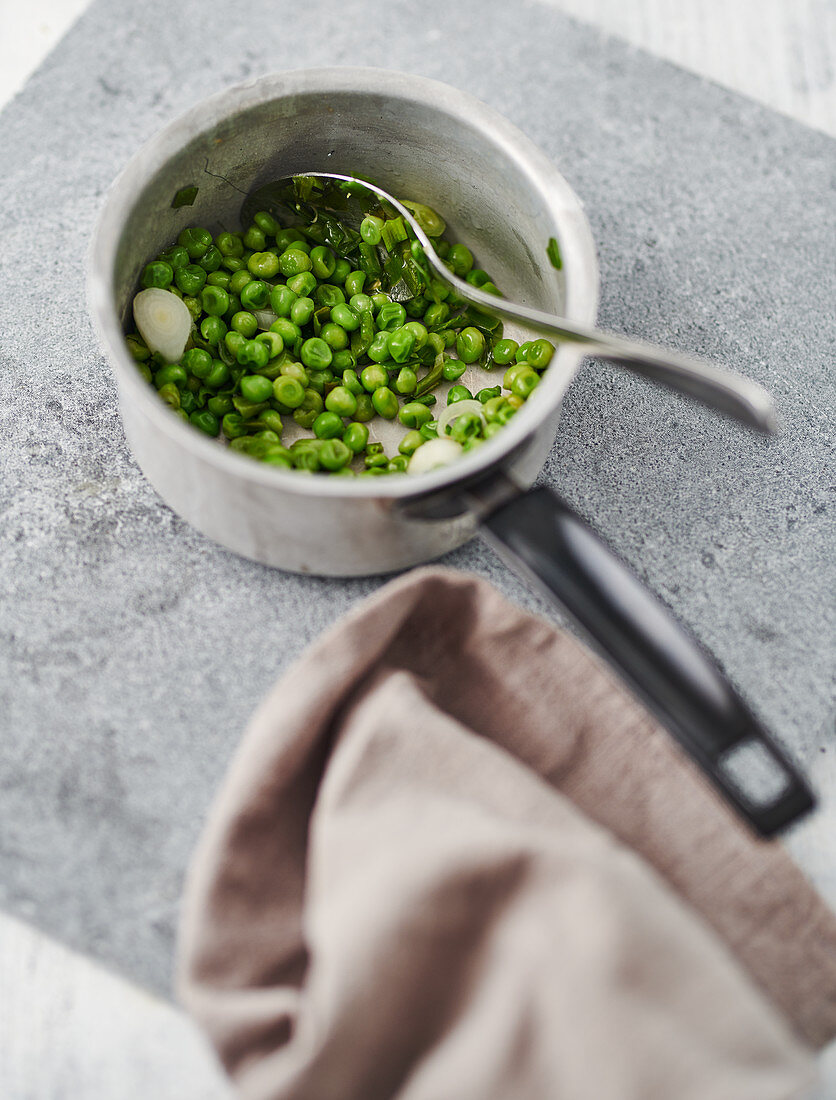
{"x":164,"y":322}
{"x":434,"y":453}
{"x":448,"y":415}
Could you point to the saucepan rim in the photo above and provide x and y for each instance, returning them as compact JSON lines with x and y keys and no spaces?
{"x":576,"y":243}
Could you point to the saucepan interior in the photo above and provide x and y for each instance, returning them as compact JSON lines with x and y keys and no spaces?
{"x":418,"y":138}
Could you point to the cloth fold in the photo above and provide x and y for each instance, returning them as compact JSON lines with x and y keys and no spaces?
{"x":453,"y":858}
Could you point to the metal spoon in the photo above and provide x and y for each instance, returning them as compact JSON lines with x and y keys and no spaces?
{"x":730,"y":393}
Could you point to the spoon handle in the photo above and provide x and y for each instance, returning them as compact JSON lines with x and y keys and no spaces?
{"x":741,"y":398}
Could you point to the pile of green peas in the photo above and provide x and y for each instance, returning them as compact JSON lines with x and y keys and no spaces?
{"x":285,"y":328}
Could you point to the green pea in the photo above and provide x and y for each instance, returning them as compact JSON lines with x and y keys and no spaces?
{"x":378,"y":350}
{"x":286,"y":237}
{"x":525,"y":382}
{"x":414,"y":415}
{"x":504,"y":352}
{"x":266,"y":223}
{"x":197,"y":362}
{"x":453,"y":369}
{"x":218,"y":278}
{"x":401,"y":344}
{"x":416,"y":307}
{"x":278,"y":456}
{"x":351,"y":381}
{"x":345,"y":359}
{"x":341,"y":271}
{"x":341,"y":401}
{"x":193,"y":306}
{"x":229,"y":244}
{"x":206,"y":421}
{"x":328,"y":296}
{"x":360,"y":303}
{"x":297,"y":371}
{"x":285,"y":328}
{"x":522,"y":351}
{"x":272,"y":341}
{"x":213,"y":330}
{"x":354,"y":282}
{"x":411,"y":442}
{"x":157,"y":274}
{"x":328,"y":425}
{"x":281,"y":299}
{"x":219,"y":376}
{"x":465,"y":427}
{"x":175,"y":257}
{"x":302,"y":310}
{"x":211,"y":260}
{"x":255,"y":294}
{"x":511,"y":374}
{"x":145,"y":371}
{"x":220,"y":404}
{"x":249,"y":410}
{"x":540,"y":354}
{"x":429,"y":430}
{"x":289,"y":391}
{"x":355,"y":437}
{"x":173,"y":373}
{"x":365,"y":408}
{"x":486,"y":394}
{"x":215,"y":301}
{"x":385,"y":403}
{"x":436,"y":314}
{"x":196,"y":241}
{"x":477,"y":276}
{"x":398,"y":464}
{"x":334,"y":336}
{"x":253,"y":354}
{"x":373,"y":378}
{"x":320,"y":380}
{"x":170,"y":394}
{"x":406,"y":382}
{"x":238,"y":280}
{"x":233,"y":342}
{"x":470,"y":345}
{"x":293,"y":261}
{"x":256,"y":388}
{"x":379,"y":300}
{"x":255,"y":239}
{"x":315,"y":353}
{"x":419,"y":332}
{"x":137,"y":347}
{"x":244,"y":322}
{"x":309,"y":410}
{"x":323,"y":261}
{"x":334,"y":454}
{"x":233,"y":426}
{"x":374,"y":459}
{"x":390,"y":317}
{"x":263,"y":265}
{"x":190,"y":279}
{"x":370,"y":228}
{"x":460,"y":259}
{"x":234,"y":263}
{"x":458,"y":393}
{"x":345,"y":317}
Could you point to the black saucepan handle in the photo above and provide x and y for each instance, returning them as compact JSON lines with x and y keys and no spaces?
{"x":544,"y":540}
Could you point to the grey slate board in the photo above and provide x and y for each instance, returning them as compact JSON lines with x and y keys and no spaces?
{"x":132,"y":650}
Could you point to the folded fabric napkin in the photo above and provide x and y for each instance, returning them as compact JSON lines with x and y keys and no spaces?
{"x":454,"y":859}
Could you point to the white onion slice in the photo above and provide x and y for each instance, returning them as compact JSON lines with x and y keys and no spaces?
{"x":164,"y":322}
{"x":265,"y":318}
{"x":458,"y":408}
{"x":433,"y":453}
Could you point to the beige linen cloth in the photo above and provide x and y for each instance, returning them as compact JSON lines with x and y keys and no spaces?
{"x":453,"y":860}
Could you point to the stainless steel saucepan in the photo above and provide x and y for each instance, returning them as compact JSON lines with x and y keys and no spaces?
{"x":422,"y":140}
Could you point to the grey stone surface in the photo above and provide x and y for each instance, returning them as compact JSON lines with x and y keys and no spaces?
{"x":132,"y":650}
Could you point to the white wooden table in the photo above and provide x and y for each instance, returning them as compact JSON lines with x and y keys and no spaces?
{"x":68,"y":1028}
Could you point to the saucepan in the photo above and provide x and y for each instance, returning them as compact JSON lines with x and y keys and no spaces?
{"x":503,"y":198}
